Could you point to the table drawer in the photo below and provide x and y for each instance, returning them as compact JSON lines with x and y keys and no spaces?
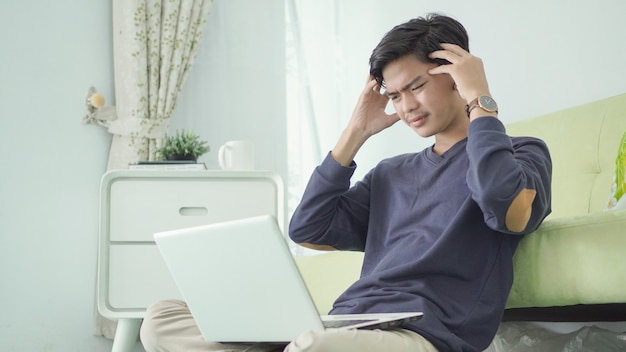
{"x":139,"y":209}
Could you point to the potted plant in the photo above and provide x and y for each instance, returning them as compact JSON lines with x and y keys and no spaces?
{"x":184,"y":145}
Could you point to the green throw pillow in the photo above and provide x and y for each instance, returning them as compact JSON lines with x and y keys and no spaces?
{"x":619,"y":184}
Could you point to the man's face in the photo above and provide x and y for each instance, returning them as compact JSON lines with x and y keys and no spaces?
{"x":428,"y":104}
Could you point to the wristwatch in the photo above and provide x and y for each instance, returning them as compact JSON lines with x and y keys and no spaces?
{"x":485,"y":102}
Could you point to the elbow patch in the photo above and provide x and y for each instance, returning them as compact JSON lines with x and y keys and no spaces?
{"x":518,"y":214}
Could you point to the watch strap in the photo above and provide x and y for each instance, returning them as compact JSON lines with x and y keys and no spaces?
{"x":471,"y":106}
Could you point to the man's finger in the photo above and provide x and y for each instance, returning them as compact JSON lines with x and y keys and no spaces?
{"x":444,"y":54}
{"x":454,"y":49}
{"x":439,"y":70}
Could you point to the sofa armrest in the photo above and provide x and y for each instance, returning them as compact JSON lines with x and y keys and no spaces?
{"x":571,"y":261}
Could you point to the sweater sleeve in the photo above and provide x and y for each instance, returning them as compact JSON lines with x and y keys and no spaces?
{"x":500,"y":167}
{"x":331,"y":212}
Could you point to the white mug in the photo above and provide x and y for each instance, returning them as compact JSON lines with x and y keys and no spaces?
{"x":236,"y":155}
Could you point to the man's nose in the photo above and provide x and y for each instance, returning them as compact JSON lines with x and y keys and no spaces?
{"x":409,"y":103}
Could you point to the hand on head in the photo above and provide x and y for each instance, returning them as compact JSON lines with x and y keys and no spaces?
{"x":466,"y":70}
{"x":369,"y":115}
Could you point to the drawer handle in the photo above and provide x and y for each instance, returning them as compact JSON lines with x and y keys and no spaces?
{"x":193,"y":211}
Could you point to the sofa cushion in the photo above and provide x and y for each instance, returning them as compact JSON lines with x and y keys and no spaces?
{"x":328,"y":274}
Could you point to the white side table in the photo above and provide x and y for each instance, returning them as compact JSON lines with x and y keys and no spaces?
{"x":134,"y":204}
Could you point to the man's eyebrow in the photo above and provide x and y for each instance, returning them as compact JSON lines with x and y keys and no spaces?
{"x":406,"y":86}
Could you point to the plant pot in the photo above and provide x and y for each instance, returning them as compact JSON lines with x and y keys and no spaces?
{"x":180,"y":157}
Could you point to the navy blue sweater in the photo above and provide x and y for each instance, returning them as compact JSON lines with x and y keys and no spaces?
{"x":432,"y":229}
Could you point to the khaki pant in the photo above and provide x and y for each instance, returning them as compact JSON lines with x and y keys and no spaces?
{"x":169,"y":326}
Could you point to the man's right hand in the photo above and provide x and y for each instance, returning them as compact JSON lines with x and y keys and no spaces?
{"x":368,"y":118}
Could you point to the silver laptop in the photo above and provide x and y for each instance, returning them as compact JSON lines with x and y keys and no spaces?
{"x":242,"y":284}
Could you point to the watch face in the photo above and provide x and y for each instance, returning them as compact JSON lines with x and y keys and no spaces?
{"x":487,"y":103}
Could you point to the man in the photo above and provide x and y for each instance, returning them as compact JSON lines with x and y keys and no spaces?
{"x":439,"y":227}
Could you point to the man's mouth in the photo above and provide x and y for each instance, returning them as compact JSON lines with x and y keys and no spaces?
{"x":417,"y":121}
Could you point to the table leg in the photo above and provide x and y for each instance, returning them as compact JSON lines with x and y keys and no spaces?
{"x":126,"y":335}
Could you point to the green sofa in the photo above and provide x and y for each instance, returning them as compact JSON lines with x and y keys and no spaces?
{"x":573,"y":268}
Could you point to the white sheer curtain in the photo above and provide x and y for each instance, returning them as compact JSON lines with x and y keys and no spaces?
{"x":314,"y":86}
{"x":328,"y":47}
{"x":155,"y":44}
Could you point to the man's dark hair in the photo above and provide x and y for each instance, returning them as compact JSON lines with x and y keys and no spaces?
{"x":420,"y":37}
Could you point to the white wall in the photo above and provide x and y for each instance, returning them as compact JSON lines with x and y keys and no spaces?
{"x":52,"y":52}
{"x":540,"y":57}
